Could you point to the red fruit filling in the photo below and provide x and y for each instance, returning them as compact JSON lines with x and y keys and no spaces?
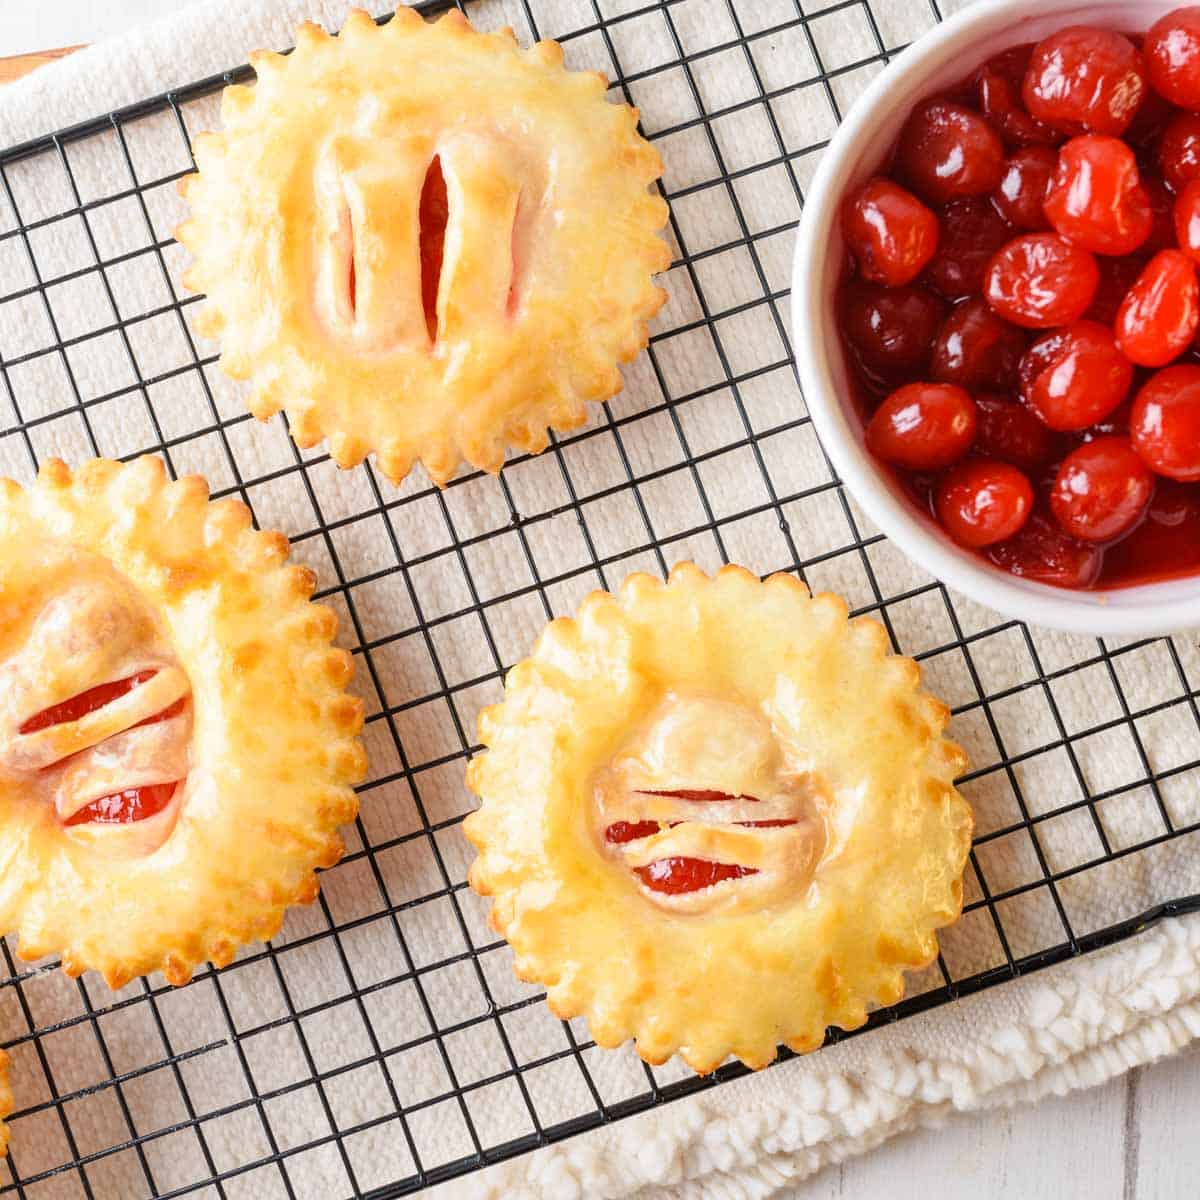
{"x":1041,"y":280}
{"x":975,"y":349}
{"x":122,"y":808}
{"x":982,"y":502}
{"x":93,"y":699}
{"x":1095,"y":198}
{"x":1101,"y":490}
{"x":1157,"y":319}
{"x":1103,"y":159}
{"x":1172,"y":54}
{"x":678,"y":875}
{"x":675,"y":876}
{"x":1165,"y":423}
{"x":947,"y":151}
{"x":1084,"y":79}
{"x":893,"y":235}
{"x":1074,"y":377}
{"x":1020,"y":199}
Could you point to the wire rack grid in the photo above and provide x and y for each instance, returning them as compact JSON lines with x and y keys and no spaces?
{"x":380,"y":1044}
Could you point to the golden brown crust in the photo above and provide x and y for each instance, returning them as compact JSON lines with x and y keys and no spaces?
{"x":305,"y":228}
{"x":145,"y":573}
{"x":631,"y":691}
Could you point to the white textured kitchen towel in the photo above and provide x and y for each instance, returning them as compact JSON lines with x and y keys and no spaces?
{"x":1072,"y":716}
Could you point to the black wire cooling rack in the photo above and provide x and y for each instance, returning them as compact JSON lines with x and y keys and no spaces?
{"x":292,"y":1072}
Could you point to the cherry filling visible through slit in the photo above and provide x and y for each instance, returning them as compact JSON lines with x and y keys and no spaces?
{"x":677,"y":876}
{"x":131,"y":804}
{"x":122,"y":808}
{"x":93,"y":699}
{"x":435,"y":211}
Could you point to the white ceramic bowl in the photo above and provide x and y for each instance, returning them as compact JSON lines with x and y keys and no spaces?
{"x":943,"y":56}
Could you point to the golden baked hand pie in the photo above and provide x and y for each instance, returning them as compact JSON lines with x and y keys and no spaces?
{"x":424,"y":241}
{"x":716,"y":816}
{"x":176,"y":745}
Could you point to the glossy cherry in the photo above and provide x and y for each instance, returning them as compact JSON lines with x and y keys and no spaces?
{"x":947,"y":151}
{"x":1040,"y":280}
{"x":1007,"y":430}
{"x":890,"y":329}
{"x":976,"y":349}
{"x":1102,"y":490}
{"x":122,"y":808}
{"x":1042,"y":551}
{"x":1172,"y":53}
{"x":997,"y":92}
{"x":1165,"y":423}
{"x":1179,"y":151}
{"x":972,"y":232}
{"x":1158,"y":318}
{"x":676,"y":876}
{"x":1084,"y":79}
{"x":1187,"y":220}
{"x":1095,"y":198}
{"x":923,"y":426}
{"x":1021,"y":196}
{"x":1075,"y":376}
{"x":981,"y":502}
{"x":892,"y":234}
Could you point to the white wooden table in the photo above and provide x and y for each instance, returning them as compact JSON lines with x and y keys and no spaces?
{"x":1132,"y":1139}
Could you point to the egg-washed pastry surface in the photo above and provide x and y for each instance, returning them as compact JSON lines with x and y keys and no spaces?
{"x":424,"y":241}
{"x":717,"y":816}
{"x":177,"y":748}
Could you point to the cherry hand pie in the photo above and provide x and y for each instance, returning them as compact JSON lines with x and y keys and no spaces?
{"x":424,"y":241}
{"x":717,"y":815}
{"x":176,"y":745}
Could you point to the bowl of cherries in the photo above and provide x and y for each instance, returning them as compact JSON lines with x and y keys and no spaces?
{"x":996,"y":309}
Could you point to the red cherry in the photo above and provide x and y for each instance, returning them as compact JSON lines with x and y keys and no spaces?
{"x":1040,"y":280}
{"x":1179,"y":151}
{"x":1117,"y":276}
{"x":893,"y":235}
{"x":1102,"y":490}
{"x":1007,"y":430}
{"x":972,"y":231}
{"x":1075,"y":376}
{"x":981,"y":502}
{"x":1095,"y":198}
{"x":1187,"y":220}
{"x":997,"y":93}
{"x":1085,"y":79}
{"x":122,"y":808}
{"x":1158,"y":318}
{"x":976,"y":349}
{"x":1042,"y":551}
{"x":1165,"y":423}
{"x":675,"y":876}
{"x":1022,"y":192}
{"x":947,"y":151}
{"x":1172,"y":53}
{"x":923,"y":426}
{"x":890,"y":329}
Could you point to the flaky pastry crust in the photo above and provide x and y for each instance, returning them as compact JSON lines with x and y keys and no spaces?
{"x":843,"y":803}
{"x":114,"y":573}
{"x":306,"y":227}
